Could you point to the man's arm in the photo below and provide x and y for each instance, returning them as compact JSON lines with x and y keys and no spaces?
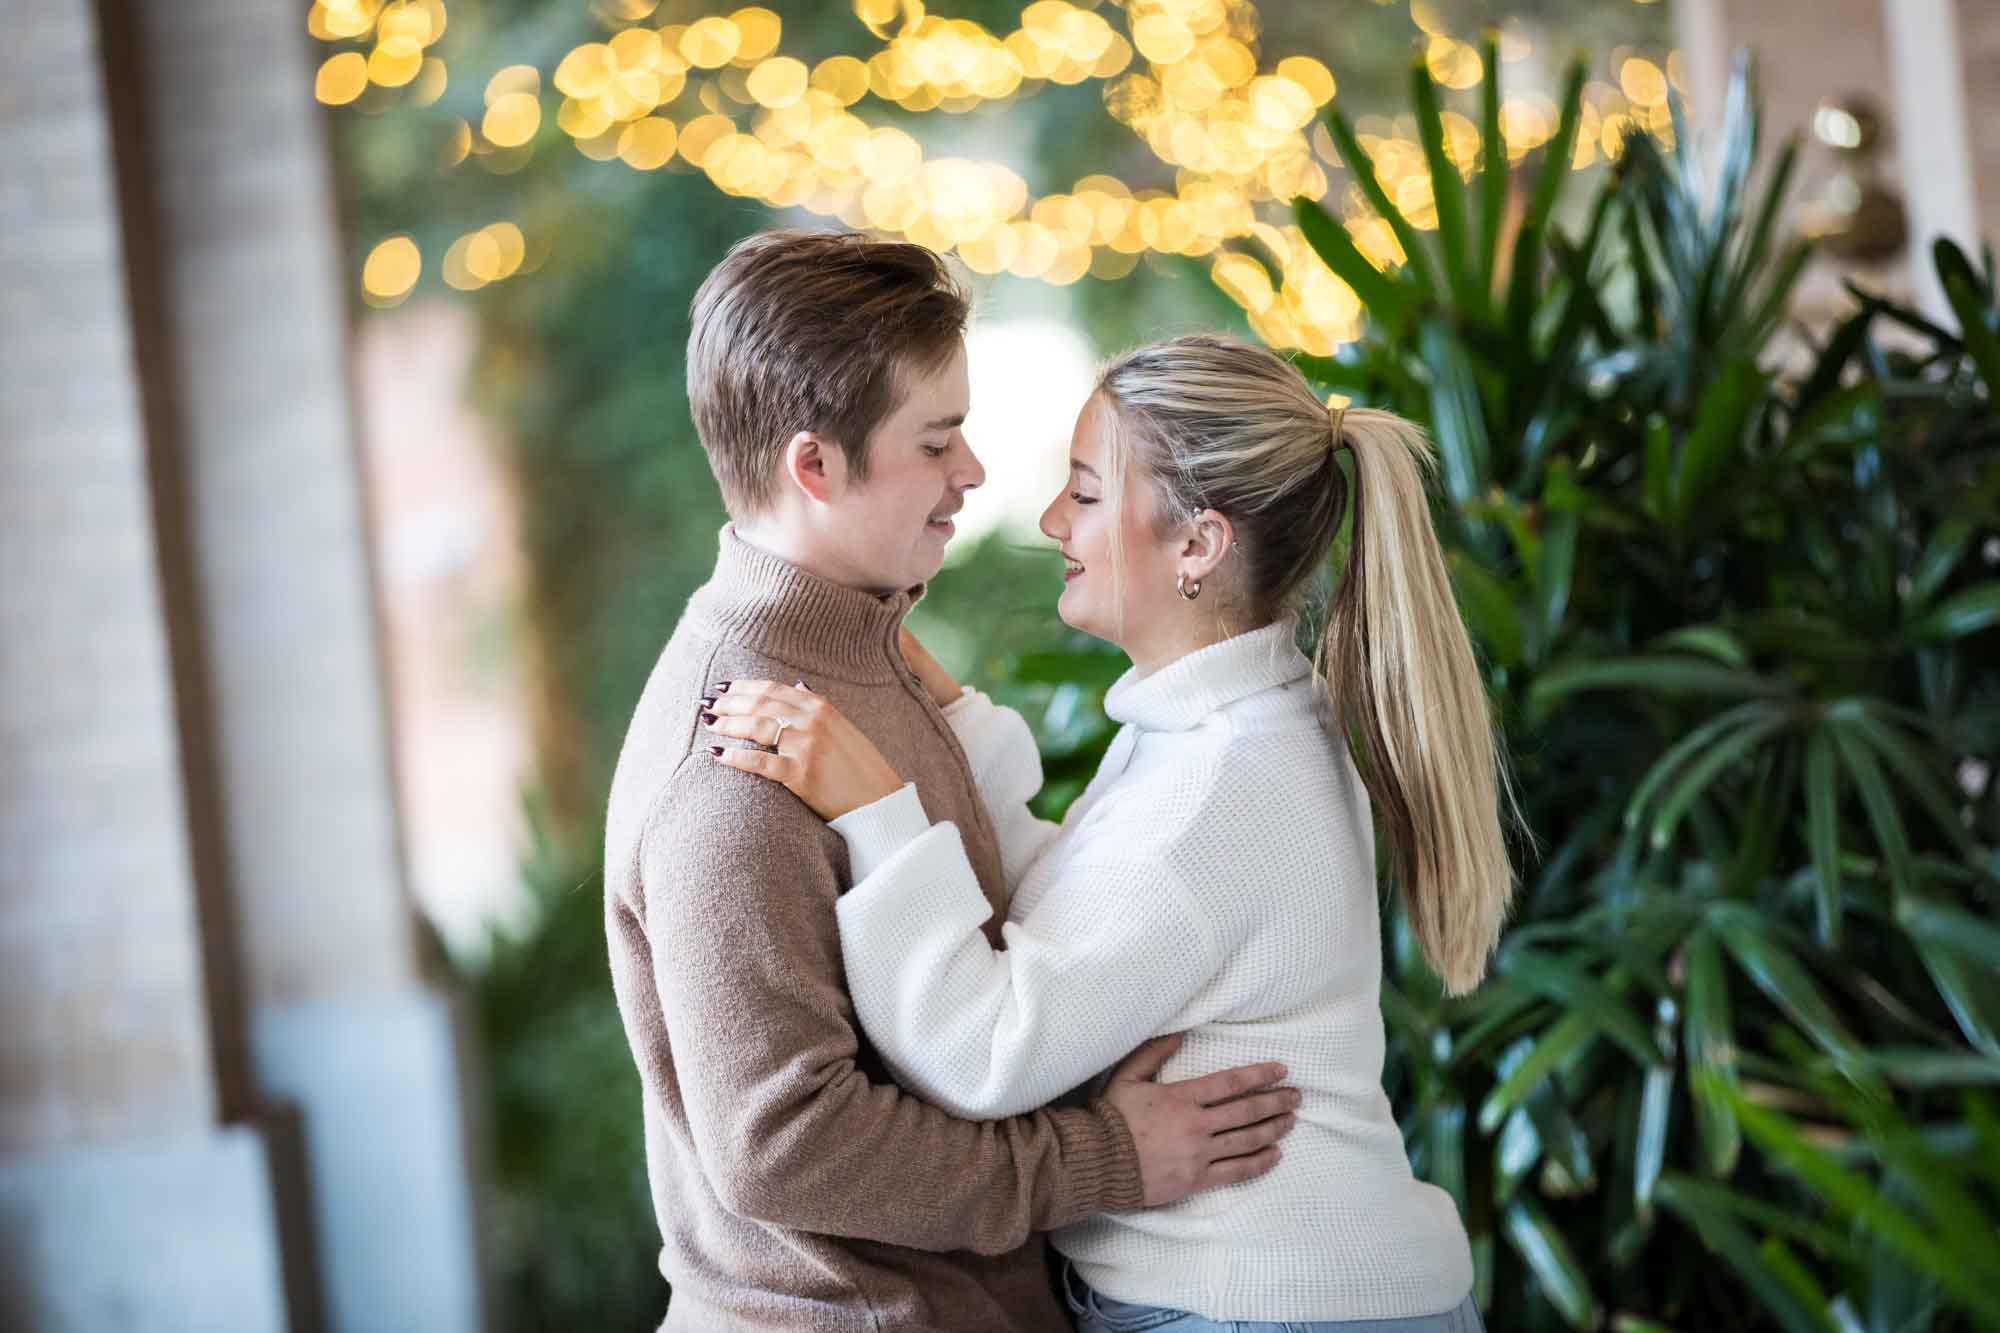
{"x":740,"y":887}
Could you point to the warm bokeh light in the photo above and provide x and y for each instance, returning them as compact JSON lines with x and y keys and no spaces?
{"x":342,"y":78}
{"x":390,"y":270}
{"x":719,"y":95}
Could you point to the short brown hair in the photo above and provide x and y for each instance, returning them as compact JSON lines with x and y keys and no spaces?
{"x":802,"y":330}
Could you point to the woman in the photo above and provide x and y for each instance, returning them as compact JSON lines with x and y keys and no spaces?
{"x":1217,"y":875}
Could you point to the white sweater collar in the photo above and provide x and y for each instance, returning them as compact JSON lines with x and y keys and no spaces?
{"x":1180,"y":694}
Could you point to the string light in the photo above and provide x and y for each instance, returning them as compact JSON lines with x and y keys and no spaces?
{"x":718,"y":95}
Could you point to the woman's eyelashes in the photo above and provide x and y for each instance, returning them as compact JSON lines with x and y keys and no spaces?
{"x":1082,"y":499}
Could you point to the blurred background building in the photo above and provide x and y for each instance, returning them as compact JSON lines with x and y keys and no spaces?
{"x":346,"y":495}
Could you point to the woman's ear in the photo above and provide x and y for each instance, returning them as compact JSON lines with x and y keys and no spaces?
{"x":815,"y":466}
{"x":1210,"y":536}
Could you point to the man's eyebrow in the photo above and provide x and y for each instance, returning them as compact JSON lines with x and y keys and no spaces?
{"x":1075,"y":466}
{"x":946,"y":423}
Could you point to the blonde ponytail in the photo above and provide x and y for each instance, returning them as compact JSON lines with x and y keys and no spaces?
{"x":1217,"y":423}
{"x":1400,"y":671}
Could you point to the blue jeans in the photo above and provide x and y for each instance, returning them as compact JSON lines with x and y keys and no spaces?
{"x":1098,"y":1313}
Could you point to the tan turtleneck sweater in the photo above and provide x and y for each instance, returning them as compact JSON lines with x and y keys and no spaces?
{"x":796,"y":1186}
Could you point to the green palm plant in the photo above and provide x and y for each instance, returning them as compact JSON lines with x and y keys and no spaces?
{"x":1739,"y":627}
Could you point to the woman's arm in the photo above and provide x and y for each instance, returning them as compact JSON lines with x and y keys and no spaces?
{"x":1000,"y":747}
{"x":1109,"y":957}
{"x":1007,"y":771}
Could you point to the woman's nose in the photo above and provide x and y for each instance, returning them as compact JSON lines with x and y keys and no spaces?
{"x":1052,"y":525}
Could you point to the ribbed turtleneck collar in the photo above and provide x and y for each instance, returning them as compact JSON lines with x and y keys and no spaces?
{"x":774,"y":607}
{"x":1184,"y":691}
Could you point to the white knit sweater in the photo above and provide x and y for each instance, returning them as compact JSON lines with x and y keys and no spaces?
{"x":1216,"y":877}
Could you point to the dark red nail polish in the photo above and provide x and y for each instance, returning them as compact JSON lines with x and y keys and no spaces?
{"x":715,"y":750}
{"x":708,"y":718}
{"x":721,"y":688}
{"x":708,"y":702}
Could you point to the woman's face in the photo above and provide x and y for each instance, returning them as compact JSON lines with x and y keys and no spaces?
{"x":1141,"y":601}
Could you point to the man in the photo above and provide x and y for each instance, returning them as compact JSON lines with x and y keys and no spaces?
{"x":796,"y":1186}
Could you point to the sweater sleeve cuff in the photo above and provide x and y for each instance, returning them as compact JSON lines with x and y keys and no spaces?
{"x":1102,"y":1161}
{"x":877,"y":831}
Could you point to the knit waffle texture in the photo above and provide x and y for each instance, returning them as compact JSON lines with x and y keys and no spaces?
{"x":1216,"y":877}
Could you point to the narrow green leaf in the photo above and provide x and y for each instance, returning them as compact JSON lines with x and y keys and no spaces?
{"x":1823,"y":834}
{"x":1718,"y":430}
{"x":1778,"y":295}
{"x":1385,"y":300}
{"x":1840,"y":349}
{"x":1457,"y":417}
{"x":1842,"y":417}
{"x":1778,"y":1257}
{"x":1524,"y":273}
{"x":1779,"y":975}
{"x":1565,"y":1148}
{"x":1885,"y":815}
{"x":1751,"y":262}
{"x":1705,"y":769}
{"x":1851,"y":1194}
{"x":1711,"y":1045}
{"x":1514,"y":1155}
{"x":1558,"y":568}
{"x":1489,"y":609}
{"x":1575,"y":990}
{"x":1941,"y":555}
{"x":1493,"y":167}
{"x":1923,"y":1067}
{"x":1952,"y":927}
{"x":1659,"y":467}
{"x":1660,"y":675}
{"x":1966,"y":613}
{"x":1961,"y":289}
{"x":1646,"y":294}
{"x":1362,"y":167}
{"x":1714,"y":640}
{"x":1729,"y":1242}
{"x":1695,"y":742}
{"x":1549,"y":1257}
{"x":1649,"y":1150}
{"x":1927,"y":777}
{"x":1966,"y":993}
{"x":1984,"y":1121}
{"x":1551,"y":1049}
{"x":1446,"y":1143}
{"x":1447,"y":193}
{"x":1559,"y":150}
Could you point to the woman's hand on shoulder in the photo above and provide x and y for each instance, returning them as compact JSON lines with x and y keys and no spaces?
{"x":808,"y":746}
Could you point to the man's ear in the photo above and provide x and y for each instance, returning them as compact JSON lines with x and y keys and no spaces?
{"x":815,"y":466}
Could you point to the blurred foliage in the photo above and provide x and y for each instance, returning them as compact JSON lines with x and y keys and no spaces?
{"x":1735,"y":1068}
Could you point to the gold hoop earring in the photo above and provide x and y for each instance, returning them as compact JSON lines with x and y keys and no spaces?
{"x":1190,"y":590}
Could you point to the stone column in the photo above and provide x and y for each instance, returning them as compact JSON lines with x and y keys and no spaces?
{"x":245,"y":296}
{"x":124,"y":1203}
{"x":229,"y":1091}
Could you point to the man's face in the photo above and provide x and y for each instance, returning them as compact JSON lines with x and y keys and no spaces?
{"x":892,"y":528}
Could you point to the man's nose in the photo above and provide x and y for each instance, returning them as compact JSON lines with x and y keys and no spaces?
{"x":971,"y":472}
